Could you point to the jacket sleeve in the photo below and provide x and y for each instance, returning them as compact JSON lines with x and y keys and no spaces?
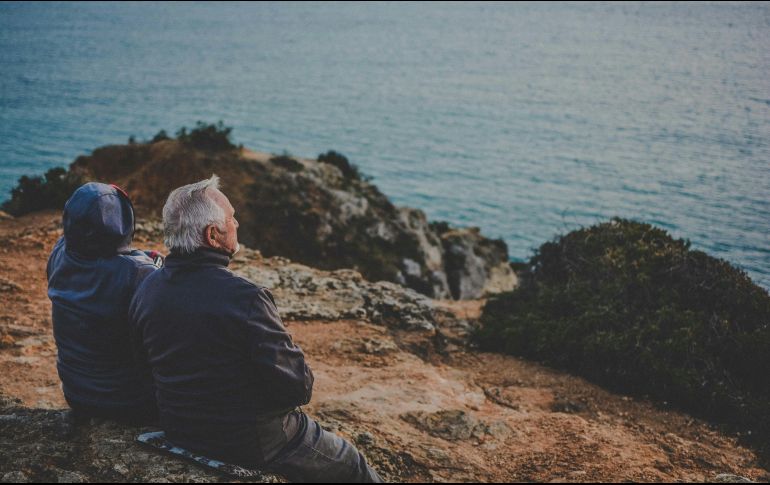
{"x":54,"y":254}
{"x":277,"y":361}
{"x":139,"y":353}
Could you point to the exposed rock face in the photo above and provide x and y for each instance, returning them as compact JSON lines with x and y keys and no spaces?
{"x":475,"y":265}
{"x":456,"y":425}
{"x":314,"y":213}
{"x":49,"y":446}
{"x":304,"y":293}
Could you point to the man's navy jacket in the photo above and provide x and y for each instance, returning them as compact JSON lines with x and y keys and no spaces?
{"x":220,"y":355}
{"x":92,"y":275}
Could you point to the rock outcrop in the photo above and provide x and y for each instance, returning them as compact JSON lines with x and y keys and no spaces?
{"x":304,"y":293}
{"x":49,"y":446}
{"x":314,"y":213}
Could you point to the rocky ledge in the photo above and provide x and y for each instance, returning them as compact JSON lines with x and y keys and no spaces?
{"x":40,"y":445}
{"x":316,"y":212}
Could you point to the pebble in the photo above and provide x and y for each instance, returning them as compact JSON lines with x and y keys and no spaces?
{"x":14,"y":477}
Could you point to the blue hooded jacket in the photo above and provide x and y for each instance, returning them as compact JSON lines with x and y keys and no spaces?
{"x":92,"y":276}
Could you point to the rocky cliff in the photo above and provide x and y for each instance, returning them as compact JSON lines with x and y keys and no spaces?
{"x":314,"y":212}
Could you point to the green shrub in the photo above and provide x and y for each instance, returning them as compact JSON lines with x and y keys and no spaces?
{"x":160,"y":136}
{"x":37,"y":193}
{"x":349,"y":171}
{"x":440,"y":227}
{"x":286,"y":161}
{"x":211,"y":137}
{"x":627,"y":306}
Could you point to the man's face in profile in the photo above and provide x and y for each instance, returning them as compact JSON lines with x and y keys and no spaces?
{"x":227,"y":240}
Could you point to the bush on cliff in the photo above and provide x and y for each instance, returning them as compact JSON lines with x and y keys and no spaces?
{"x":211,"y":137}
{"x":285,"y":160}
{"x":37,"y":193}
{"x":627,"y":306}
{"x":349,"y":171}
{"x":160,"y":136}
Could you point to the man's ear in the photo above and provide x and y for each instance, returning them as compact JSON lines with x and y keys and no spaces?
{"x":211,"y":234}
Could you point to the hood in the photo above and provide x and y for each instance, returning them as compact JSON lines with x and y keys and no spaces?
{"x":98,"y":221}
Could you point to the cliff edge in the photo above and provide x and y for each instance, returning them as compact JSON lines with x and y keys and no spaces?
{"x":316,"y":212}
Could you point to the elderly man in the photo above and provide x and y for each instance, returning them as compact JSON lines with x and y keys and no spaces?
{"x":92,"y":275}
{"x":229,"y":378}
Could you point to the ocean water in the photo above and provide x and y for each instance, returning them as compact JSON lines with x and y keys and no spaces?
{"x":524,"y":119}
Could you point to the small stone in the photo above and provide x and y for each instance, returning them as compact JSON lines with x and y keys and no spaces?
{"x":8,"y":286}
{"x":7,"y":341}
{"x":365,"y":439}
{"x":438,"y":455}
{"x":500,"y":430}
{"x":15,"y":477}
{"x":730,"y":478}
{"x":121,"y":469}
{"x":451,"y":425}
{"x":412,"y":268}
{"x":375,"y":346}
{"x":66,"y":476}
{"x":567,"y":406}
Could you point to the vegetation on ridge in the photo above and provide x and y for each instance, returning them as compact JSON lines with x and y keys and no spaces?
{"x":51,"y":191}
{"x":629,"y":307}
{"x":349,"y":170}
{"x":210,"y":137}
{"x":47,"y":192}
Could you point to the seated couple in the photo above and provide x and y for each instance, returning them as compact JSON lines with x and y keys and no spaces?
{"x":189,"y":345}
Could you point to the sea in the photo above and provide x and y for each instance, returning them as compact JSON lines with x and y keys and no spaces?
{"x":527,"y":120}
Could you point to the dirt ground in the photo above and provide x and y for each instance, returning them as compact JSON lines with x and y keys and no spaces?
{"x":456,"y":415}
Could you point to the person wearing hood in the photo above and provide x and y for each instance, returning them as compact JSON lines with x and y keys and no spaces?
{"x":92,"y":275}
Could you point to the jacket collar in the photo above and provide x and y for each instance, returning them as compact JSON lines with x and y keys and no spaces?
{"x":200,"y":257}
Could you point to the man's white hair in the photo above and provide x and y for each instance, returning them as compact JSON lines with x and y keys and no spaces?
{"x":188,"y":211}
